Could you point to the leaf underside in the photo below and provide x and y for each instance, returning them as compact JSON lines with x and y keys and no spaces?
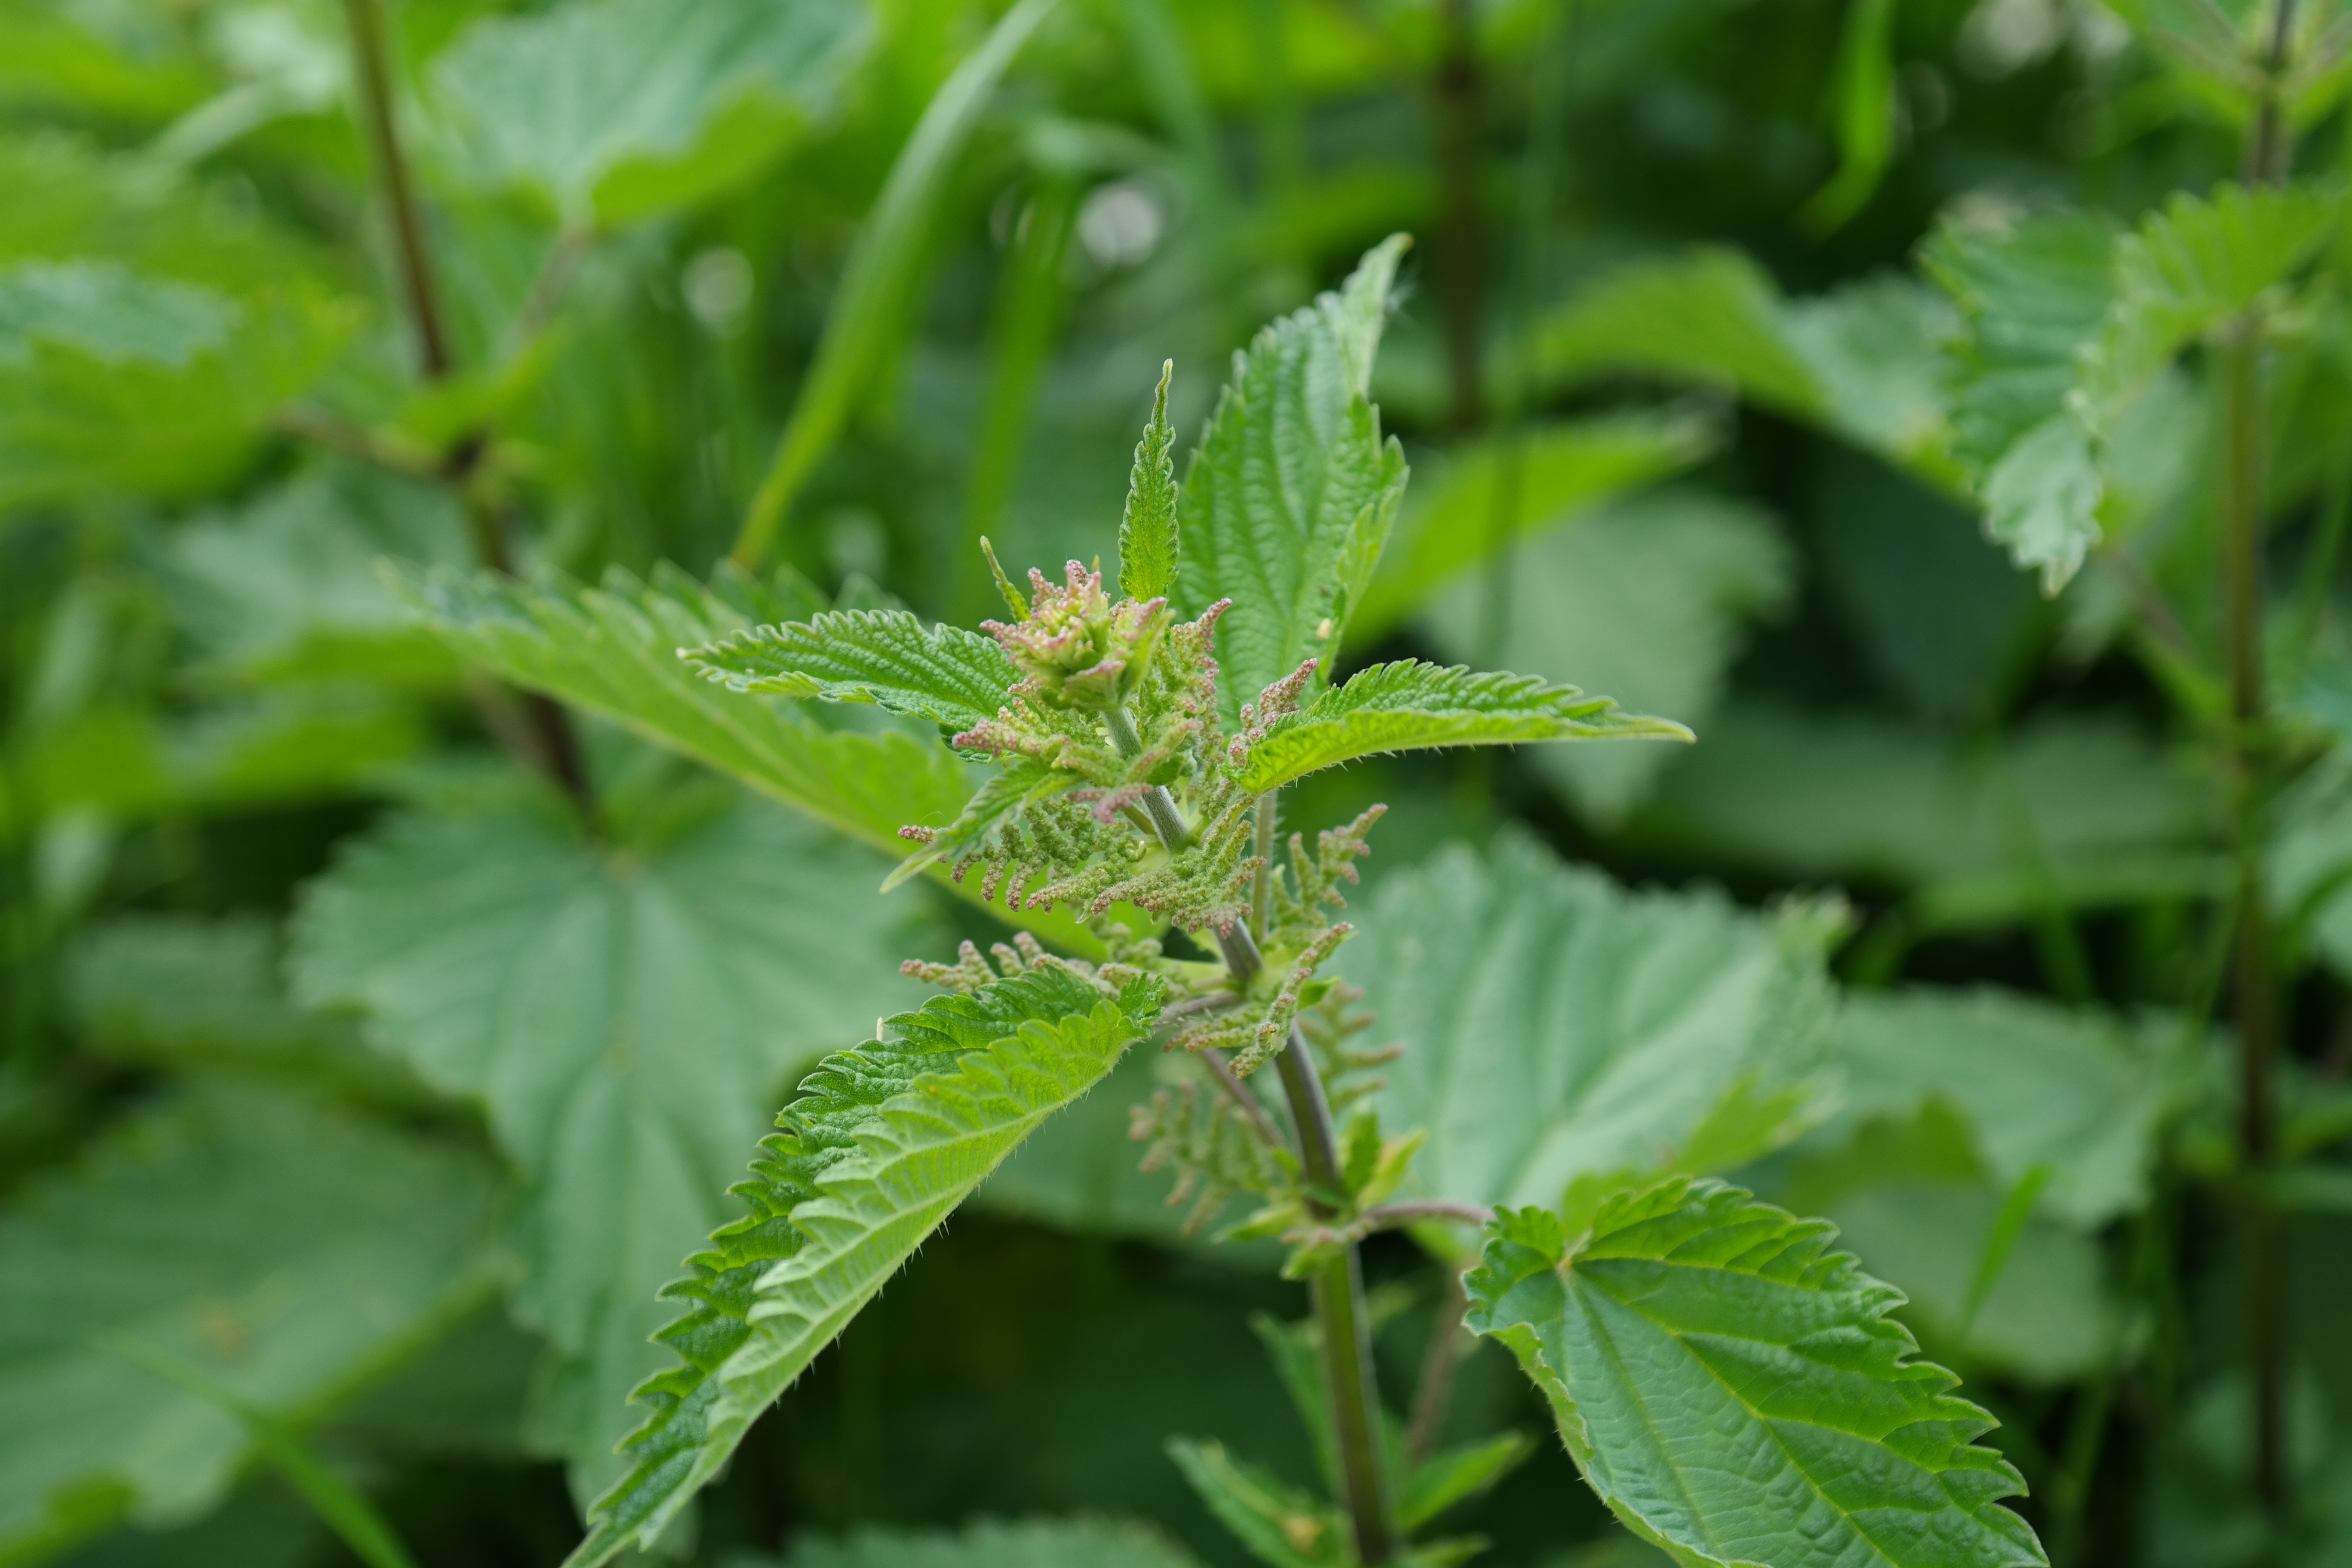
{"x":883,"y":1143}
{"x":1409,"y":706}
{"x":1736,"y":1392}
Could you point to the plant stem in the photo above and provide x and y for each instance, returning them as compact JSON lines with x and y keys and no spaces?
{"x":554,"y":747}
{"x":2243,"y":440}
{"x":1447,"y":1340}
{"x":1336,"y":1291}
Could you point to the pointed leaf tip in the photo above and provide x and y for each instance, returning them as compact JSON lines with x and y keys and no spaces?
{"x":1012,"y":599}
{"x":1147,"y":530}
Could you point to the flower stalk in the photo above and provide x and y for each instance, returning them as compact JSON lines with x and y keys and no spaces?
{"x":1336,"y":1289}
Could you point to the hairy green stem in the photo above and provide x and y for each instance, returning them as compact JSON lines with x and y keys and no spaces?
{"x":1336,"y":1291}
{"x":2244,"y":443}
{"x":553,"y":747}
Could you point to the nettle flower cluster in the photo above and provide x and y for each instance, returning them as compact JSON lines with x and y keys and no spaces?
{"x":1118,"y":786}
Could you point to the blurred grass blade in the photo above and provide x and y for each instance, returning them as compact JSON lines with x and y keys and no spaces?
{"x":1031,"y":292}
{"x":1865,"y":115}
{"x":335,"y":1500}
{"x":880,"y":270}
{"x":2007,"y":1227}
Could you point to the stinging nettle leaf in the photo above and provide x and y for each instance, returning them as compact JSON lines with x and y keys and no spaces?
{"x":1147,"y":529}
{"x":1736,"y":1392}
{"x":1289,"y":496}
{"x":1409,"y":706}
{"x":886,"y":657}
{"x":881,"y":1146}
{"x":623,"y":1012}
{"x":2032,"y":297}
{"x":1564,"y":1034}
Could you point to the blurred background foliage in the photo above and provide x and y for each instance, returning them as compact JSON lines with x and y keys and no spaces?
{"x":382,"y":1169}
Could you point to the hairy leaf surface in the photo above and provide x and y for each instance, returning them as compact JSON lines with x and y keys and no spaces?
{"x":886,"y":657}
{"x":621,"y":1014}
{"x":1561,"y":1033}
{"x":284,"y":1251}
{"x":620,"y":109}
{"x":1409,"y":706}
{"x":1148,"y":550}
{"x":1646,"y":599}
{"x":1290,"y":495}
{"x":881,"y":1146}
{"x":1736,"y":1392}
{"x":613,"y":651}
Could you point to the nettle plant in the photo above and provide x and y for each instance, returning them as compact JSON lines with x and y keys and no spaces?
{"x":1729,"y":1384}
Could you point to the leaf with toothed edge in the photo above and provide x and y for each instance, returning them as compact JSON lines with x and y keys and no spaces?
{"x":882,"y":1144}
{"x":1147,"y":530}
{"x":1735,"y":1390}
{"x":1290,"y":495}
{"x":1412,"y":706}
{"x":886,"y":657}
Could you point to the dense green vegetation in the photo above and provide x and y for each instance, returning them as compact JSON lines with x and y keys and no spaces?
{"x":1939,"y":409}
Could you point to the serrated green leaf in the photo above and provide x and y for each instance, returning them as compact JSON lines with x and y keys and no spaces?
{"x":115,"y":383}
{"x":1411,"y":706}
{"x":1560,"y":1031}
{"x":620,"y":109}
{"x":2042,"y":499}
{"x":1701,"y":1350}
{"x":1289,"y":496}
{"x":1029,"y":1543}
{"x":284,"y":1251}
{"x":2032,"y":297}
{"x":613,"y":651}
{"x":1488,"y":495}
{"x":1646,"y":599}
{"x":1148,"y":549}
{"x":887,"y":657}
{"x":2192,"y":267}
{"x":622,"y":1012}
{"x":882,"y":1145}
